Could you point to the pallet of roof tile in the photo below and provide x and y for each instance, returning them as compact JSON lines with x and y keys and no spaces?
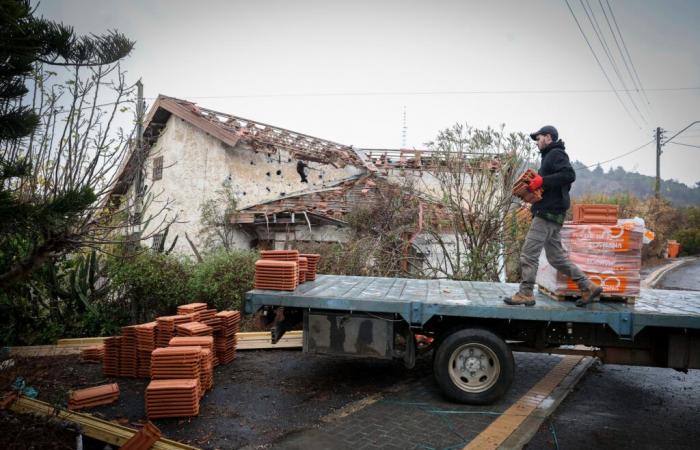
{"x":191,"y":341}
{"x":192,"y":308}
{"x":128,"y":354}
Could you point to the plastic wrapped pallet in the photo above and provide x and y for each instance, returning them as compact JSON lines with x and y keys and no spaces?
{"x":611,"y":256}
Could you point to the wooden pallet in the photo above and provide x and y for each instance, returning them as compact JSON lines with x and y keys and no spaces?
{"x":604,"y":297}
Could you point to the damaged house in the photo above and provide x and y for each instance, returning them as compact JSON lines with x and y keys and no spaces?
{"x":288,"y":186}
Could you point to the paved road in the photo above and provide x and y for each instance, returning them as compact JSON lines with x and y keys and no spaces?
{"x":625,"y":407}
{"x":686,"y":276}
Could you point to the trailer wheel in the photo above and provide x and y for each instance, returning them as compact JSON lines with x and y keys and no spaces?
{"x":473,"y":366}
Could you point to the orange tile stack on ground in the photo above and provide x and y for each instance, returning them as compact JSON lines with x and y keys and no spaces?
{"x":521,"y":188}
{"x":144,"y":439}
{"x":94,"y":396}
{"x":145,"y":344}
{"x":166,"y":327}
{"x":172,"y":398}
{"x":206,"y":377}
{"x":603,"y":214}
{"x":128,"y":355}
{"x":192,"y":308}
{"x":276,"y":275}
{"x":94,"y":353}
{"x":194,"y":329}
{"x":110,"y":363}
{"x":312,"y":259}
{"x":175,"y":362}
{"x":201,"y":341}
{"x":225,"y":339}
{"x":209,"y":318}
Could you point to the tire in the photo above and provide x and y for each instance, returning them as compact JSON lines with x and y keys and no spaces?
{"x":473,"y":366}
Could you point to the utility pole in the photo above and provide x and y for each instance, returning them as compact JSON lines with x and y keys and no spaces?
{"x":659,"y":144}
{"x":658,"y":163}
{"x":140,"y":158}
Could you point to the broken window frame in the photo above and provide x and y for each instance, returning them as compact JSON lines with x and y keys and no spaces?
{"x":157,"y":240}
{"x":157,"y":168}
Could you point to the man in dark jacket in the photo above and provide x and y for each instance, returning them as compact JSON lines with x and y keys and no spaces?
{"x":555,"y":177}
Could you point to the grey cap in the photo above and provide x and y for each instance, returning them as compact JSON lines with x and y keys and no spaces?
{"x":547,"y":129}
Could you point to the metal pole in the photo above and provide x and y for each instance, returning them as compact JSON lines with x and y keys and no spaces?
{"x":658,"y":163}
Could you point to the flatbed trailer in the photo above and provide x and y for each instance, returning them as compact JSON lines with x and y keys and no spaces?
{"x":473,"y":333}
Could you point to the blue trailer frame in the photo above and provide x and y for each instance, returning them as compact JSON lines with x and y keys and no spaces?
{"x":662,"y":327}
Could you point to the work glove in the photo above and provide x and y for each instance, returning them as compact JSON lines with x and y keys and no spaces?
{"x":536,"y":183}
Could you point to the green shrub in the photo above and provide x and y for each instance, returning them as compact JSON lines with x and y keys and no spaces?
{"x":224,"y":277}
{"x":152,"y":283}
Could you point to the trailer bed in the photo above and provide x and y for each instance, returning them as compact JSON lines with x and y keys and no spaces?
{"x":417,"y":301}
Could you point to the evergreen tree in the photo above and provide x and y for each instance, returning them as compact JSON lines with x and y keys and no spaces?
{"x":37,"y":218}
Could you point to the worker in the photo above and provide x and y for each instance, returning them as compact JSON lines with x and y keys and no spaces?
{"x":555,"y":176}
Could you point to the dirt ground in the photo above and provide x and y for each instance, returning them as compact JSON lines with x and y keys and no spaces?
{"x":29,"y":432}
{"x":258,"y":398}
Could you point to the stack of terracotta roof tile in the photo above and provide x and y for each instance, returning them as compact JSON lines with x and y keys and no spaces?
{"x":276,"y":275}
{"x":128,"y":355}
{"x":206,"y":377}
{"x":94,"y":353}
{"x":312,"y":259}
{"x":175,"y":362}
{"x":303,"y":268}
{"x":172,"y":398}
{"x":192,"y":308}
{"x":94,"y":396}
{"x":144,"y":439}
{"x":225,"y":340}
{"x":194,"y":329}
{"x":110,"y":363}
{"x":208,"y":317}
{"x":521,"y":188}
{"x":145,"y":344}
{"x":165,"y":329}
{"x":201,"y":341}
{"x":281,"y":255}
{"x":603,"y":213}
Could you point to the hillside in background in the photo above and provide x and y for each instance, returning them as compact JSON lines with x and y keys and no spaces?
{"x":618,"y":180}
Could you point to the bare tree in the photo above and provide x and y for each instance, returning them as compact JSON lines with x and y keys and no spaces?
{"x":474,"y":171}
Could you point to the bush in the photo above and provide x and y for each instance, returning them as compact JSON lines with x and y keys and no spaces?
{"x":223,"y":278}
{"x":153,"y":284}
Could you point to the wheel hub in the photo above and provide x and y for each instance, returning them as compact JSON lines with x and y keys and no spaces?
{"x":474,"y":367}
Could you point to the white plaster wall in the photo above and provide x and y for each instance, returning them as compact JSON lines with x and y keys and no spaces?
{"x":197,"y":164}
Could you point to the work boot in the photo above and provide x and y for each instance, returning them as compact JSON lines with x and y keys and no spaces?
{"x":520,"y":298}
{"x":589,"y":295}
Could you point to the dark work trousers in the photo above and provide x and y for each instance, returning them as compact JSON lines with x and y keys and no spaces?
{"x":546,"y":234}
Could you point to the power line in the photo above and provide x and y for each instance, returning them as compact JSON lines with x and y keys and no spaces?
{"x":620,"y":156}
{"x":590,"y":47}
{"x":455,"y":92}
{"x":624,"y":45}
{"x":619,"y":50}
{"x":606,"y":49}
{"x":684,"y":144}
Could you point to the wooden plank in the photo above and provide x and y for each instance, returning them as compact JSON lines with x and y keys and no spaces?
{"x":91,"y":426}
{"x":44,"y":350}
{"x":81,"y":342}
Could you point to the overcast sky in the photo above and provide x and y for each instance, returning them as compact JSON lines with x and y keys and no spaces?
{"x":344,"y":71}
